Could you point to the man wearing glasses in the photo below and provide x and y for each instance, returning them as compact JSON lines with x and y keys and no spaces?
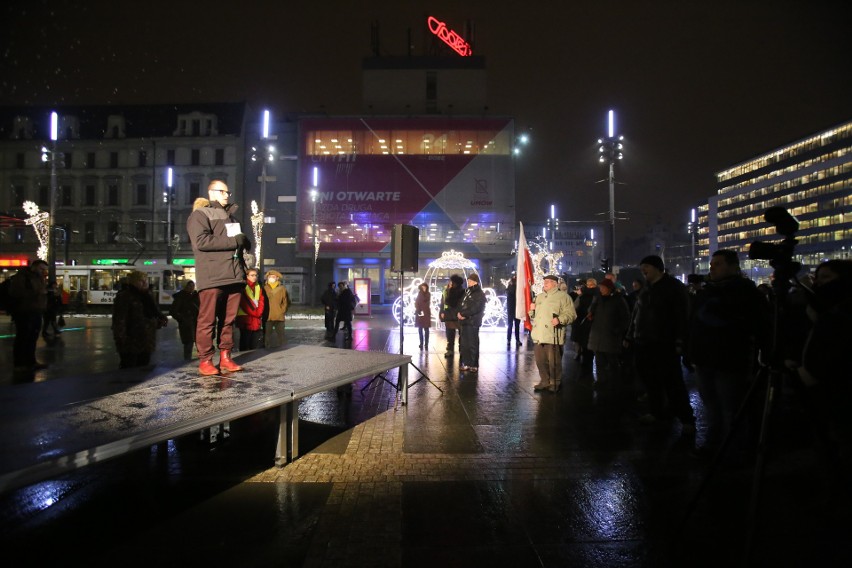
{"x":218,"y":243}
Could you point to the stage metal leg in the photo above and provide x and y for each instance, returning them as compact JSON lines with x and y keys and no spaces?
{"x":287,"y":448}
{"x":281,"y":446}
{"x":403,"y":383}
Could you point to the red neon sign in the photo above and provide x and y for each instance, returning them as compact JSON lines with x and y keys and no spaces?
{"x":449,"y":37}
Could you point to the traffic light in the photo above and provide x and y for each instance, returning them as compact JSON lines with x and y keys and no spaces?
{"x":605,"y":265}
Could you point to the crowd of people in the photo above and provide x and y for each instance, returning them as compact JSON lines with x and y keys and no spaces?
{"x":722,"y":327}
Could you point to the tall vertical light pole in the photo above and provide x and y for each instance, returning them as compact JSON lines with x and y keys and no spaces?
{"x":265,"y":152}
{"x":314,"y":197}
{"x":594,"y":245}
{"x":167,"y":197}
{"x":51,"y":230}
{"x":693,"y":228}
{"x":610,"y":151}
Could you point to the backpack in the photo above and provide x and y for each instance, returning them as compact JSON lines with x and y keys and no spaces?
{"x":7,"y":303}
{"x":5,"y":298}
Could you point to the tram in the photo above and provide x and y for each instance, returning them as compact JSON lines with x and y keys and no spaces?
{"x":97,"y":284}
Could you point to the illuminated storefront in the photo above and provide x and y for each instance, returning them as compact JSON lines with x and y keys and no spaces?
{"x":452,"y":178}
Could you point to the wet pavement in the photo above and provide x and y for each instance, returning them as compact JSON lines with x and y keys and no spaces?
{"x":485,"y":473}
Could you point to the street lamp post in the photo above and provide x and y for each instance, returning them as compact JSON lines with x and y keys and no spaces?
{"x":594,"y":245}
{"x":610,"y":150}
{"x":51,"y":241}
{"x":693,"y":228}
{"x":314,"y":233}
{"x":316,"y":242}
{"x":265,"y":152}
{"x":167,"y":197}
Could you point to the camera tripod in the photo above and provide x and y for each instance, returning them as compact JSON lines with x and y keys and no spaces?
{"x":768,"y":378}
{"x":383,"y":375}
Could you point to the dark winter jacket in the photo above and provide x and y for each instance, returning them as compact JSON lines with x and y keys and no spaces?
{"x":610,"y":317}
{"x":217,"y":262}
{"x":660,"y":314}
{"x":729,"y":321}
{"x":184,"y":310}
{"x":346,"y":302}
{"x":28,"y":292}
{"x":135,"y":320}
{"x":472,"y":306}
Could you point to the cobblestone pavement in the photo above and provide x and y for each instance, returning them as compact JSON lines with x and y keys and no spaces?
{"x":484,"y":472}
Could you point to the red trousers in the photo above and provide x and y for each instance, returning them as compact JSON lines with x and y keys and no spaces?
{"x":216,"y":316}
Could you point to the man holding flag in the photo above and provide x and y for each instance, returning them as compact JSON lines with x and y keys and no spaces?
{"x":550,"y":313}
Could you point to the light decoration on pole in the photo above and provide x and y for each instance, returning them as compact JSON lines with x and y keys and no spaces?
{"x":611,"y":151}
{"x":40,"y":221}
{"x":314,"y":198}
{"x":544,"y":262}
{"x":265,"y":153}
{"x":253,"y":259}
{"x":314,"y":232}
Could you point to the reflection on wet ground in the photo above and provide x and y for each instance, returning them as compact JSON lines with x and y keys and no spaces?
{"x":483,"y":472}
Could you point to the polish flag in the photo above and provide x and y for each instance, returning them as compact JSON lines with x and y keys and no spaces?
{"x":524,"y":273}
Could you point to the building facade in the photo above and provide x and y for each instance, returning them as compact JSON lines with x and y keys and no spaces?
{"x":810,"y":178}
{"x":112,"y":198}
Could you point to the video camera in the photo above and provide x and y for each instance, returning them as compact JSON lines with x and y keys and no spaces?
{"x":779,"y":255}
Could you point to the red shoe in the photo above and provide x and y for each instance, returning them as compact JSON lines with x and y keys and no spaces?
{"x":228,"y":364}
{"x":208,"y":368}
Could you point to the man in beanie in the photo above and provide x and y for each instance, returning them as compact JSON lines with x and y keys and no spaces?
{"x":657,"y":332}
{"x":550,"y":313}
{"x":471,"y":310}
{"x":279,"y":303}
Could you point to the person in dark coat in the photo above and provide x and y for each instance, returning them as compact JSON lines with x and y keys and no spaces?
{"x":346,"y":302}
{"x":580,"y":329}
{"x":610,"y":317}
{"x":184,"y":310}
{"x":220,"y":274}
{"x":511,"y":320}
{"x":329,"y":302}
{"x":824,"y":363}
{"x":135,"y":321}
{"x":657,"y":330}
{"x":51,"y":312}
{"x":28,"y":293}
{"x":423,"y":314}
{"x":452,"y":297}
{"x":470,"y":314}
{"x":729,"y":323}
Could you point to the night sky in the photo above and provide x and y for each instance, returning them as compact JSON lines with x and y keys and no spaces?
{"x":697,"y":86}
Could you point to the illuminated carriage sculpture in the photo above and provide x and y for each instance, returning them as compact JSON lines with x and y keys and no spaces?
{"x":454,"y":262}
{"x":439,"y":272}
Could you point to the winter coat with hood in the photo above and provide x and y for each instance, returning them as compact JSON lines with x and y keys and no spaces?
{"x":279,"y":300}
{"x":547,"y":305}
{"x":215,"y":251}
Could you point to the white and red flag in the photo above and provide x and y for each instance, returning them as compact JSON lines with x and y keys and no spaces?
{"x":524,"y":273}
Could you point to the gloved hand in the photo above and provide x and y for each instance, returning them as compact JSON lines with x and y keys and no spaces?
{"x":243,"y":241}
